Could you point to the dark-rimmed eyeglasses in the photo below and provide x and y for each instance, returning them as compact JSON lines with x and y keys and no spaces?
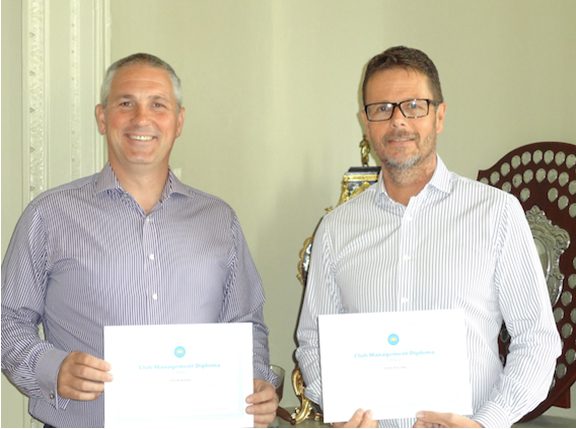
{"x":412,"y":109}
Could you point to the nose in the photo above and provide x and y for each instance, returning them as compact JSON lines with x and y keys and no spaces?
{"x":397,"y":118}
{"x":140,"y":115}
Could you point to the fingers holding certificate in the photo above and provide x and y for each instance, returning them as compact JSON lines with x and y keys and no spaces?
{"x":179,"y":375}
{"x":419,"y":356}
{"x":82,"y":376}
{"x":360,"y":419}
{"x":262,"y":403}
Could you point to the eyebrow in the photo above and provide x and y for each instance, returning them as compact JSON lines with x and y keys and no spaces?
{"x":153,"y":97}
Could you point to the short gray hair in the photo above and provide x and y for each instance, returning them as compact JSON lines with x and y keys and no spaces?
{"x":145,"y":59}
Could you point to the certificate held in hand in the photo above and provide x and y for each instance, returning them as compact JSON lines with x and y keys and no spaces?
{"x":179,"y":375}
{"x":395,"y":364}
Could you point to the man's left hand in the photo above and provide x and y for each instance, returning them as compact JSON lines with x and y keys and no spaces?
{"x":430,"y":419}
{"x":263,"y":403}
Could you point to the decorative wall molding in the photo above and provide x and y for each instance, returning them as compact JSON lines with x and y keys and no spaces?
{"x":65,"y":53}
{"x":75,"y":117}
{"x":34,"y":96}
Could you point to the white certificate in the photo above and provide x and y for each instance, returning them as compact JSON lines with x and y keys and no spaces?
{"x":178,"y":375}
{"x":394,"y":364}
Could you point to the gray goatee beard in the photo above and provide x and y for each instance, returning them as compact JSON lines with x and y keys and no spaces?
{"x":405,"y":171}
{"x":406,"y":164}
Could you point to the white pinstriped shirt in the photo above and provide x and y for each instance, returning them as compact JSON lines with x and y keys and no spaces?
{"x":85,"y":255}
{"x":457,"y":244}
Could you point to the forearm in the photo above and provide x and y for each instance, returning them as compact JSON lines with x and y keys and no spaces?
{"x":244,"y":301}
{"x":321,"y":296}
{"x":524,"y":382}
{"x":238,"y":310}
{"x":308,"y":356}
{"x":309,"y":364}
{"x":29,"y":362}
{"x":261,"y":353}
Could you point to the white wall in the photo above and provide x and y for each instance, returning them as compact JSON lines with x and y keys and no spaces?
{"x":271,"y":90}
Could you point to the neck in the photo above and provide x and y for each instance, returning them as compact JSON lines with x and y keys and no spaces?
{"x":144,"y":186}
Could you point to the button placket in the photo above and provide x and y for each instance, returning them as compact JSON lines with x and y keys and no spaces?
{"x":406,"y":250}
{"x":151,"y":265}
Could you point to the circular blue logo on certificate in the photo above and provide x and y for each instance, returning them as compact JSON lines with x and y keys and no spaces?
{"x":393,"y":339}
{"x":179,"y":351}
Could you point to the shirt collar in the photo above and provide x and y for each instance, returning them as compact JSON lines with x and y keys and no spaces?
{"x":442,"y":178}
{"x":106,"y":181}
{"x":175,"y":186}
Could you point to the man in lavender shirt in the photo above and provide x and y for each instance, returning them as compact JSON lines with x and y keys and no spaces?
{"x":131,"y":245}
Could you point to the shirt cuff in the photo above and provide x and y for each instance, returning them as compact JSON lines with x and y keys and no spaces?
{"x":47,"y":370}
{"x":492,"y":415}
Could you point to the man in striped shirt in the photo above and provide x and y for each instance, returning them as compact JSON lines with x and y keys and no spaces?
{"x":131,"y":245}
{"x":424,"y":238}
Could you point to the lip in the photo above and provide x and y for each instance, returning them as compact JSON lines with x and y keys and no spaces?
{"x":400,"y":141}
{"x":141,"y":138}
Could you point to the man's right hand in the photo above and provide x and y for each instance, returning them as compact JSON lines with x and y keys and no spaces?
{"x":82,"y":376}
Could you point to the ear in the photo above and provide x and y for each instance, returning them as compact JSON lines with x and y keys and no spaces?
{"x":180,"y":121}
{"x":440,"y":115}
{"x":100,"y":114}
{"x":363,"y":120}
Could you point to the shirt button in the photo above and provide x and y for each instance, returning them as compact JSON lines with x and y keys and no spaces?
{"x":51,"y":396}
{"x":154,"y":296}
{"x":407,"y":257}
{"x":151,"y":256}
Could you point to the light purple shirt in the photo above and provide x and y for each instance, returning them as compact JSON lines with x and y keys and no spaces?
{"x":85,"y":255}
